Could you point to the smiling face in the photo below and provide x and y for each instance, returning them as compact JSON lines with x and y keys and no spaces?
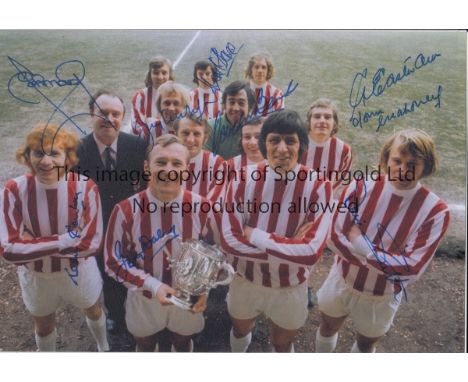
{"x":282,"y":151}
{"x":159,"y":75}
{"x":237,"y":107}
{"x":165,"y":165}
{"x":321,"y":124}
{"x":259,"y":71}
{"x":107,"y":117}
{"x":171,"y":105}
{"x":44,"y":163}
{"x":404,"y":169}
{"x":192,"y":135}
{"x":249,"y":140}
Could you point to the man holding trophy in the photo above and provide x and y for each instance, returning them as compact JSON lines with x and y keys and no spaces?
{"x":145,"y":235}
{"x":273,"y":251}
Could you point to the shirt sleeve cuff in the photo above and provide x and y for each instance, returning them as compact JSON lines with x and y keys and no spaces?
{"x":259,"y":239}
{"x":66,"y":241}
{"x":152,"y":284}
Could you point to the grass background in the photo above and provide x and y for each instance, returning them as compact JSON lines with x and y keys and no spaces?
{"x":324,"y":64}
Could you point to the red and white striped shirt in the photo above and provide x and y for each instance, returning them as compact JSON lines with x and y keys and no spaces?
{"x":230,"y":167}
{"x":204,"y":169}
{"x":333,"y":155}
{"x":136,"y":252}
{"x":273,"y":257}
{"x":51,"y":214}
{"x":143,"y":107}
{"x":269,"y":99}
{"x":402,"y":231}
{"x":207,"y":102}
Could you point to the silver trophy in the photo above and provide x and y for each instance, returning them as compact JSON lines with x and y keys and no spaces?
{"x":195,"y":271}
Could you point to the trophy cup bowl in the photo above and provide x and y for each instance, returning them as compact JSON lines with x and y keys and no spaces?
{"x":195,"y":271}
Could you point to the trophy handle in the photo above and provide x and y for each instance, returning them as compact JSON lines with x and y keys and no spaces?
{"x":230,"y":275}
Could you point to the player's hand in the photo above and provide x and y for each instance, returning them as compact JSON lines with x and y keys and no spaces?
{"x":301,"y":232}
{"x":163,"y":291}
{"x":248,"y":232}
{"x":354,"y":232}
{"x":200,"y":305}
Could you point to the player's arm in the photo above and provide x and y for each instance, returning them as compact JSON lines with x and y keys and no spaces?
{"x":412,"y":260}
{"x":307,"y":248}
{"x":340,"y":241}
{"x":18,"y":247}
{"x":232,"y":237}
{"x":89,"y":231}
{"x":118,"y":250}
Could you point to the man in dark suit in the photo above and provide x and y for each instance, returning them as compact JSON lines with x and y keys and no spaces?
{"x":114,"y":160}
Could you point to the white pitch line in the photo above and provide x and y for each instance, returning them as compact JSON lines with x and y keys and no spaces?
{"x":456,"y":207}
{"x":186,"y":49}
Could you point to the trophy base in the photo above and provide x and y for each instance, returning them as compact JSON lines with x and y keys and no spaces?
{"x":180,"y":303}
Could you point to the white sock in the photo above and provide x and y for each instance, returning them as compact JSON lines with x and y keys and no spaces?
{"x":325,"y":344}
{"x":355,"y":348}
{"x":99,"y":332}
{"x":173,"y":349}
{"x":240,"y":345}
{"x":48,"y":342}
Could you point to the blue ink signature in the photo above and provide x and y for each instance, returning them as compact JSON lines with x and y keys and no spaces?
{"x":74,"y":268}
{"x":223,"y":62}
{"x":360,"y":94}
{"x":75,"y":223}
{"x":222,"y":132}
{"x":385,"y":265}
{"x":271,"y":102}
{"x":145,"y":242}
{"x":36,"y":86}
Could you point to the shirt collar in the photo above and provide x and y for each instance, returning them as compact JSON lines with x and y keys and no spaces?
{"x":101,"y":146}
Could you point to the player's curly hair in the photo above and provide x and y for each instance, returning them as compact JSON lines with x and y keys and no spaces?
{"x":259,"y":56}
{"x":414,"y":142}
{"x":44,"y":137}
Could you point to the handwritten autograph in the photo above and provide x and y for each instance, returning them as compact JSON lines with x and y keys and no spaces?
{"x":385,"y":265}
{"x":145,"y":242}
{"x":32,"y":88}
{"x":361,"y":93}
{"x":223,"y":62}
{"x":74,"y":233}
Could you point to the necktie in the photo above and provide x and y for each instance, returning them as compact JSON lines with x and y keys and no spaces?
{"x":109,"y":160}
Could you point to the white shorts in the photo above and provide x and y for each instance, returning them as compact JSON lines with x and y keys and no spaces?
{"x":372,"y":315}
{"x":44,"y":292}
{"x":286,"y":307}
{"x":145,"y":317}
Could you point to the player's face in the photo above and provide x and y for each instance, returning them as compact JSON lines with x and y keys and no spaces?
{"x":205,"y":78}
{"x":259,"y":71}
{"x":282,"y":151}
{"x":237,"y":107}
{"x":159,"y":76}
{"x":321,"y":124}
{"x":404,"y":170}
{"x":192,"y":135}
{"x":250,"y":135}
{"x":171,"y":106}
{"x":107,"y":118}
{"x":165,"y":165}
{"x":45,"y":163}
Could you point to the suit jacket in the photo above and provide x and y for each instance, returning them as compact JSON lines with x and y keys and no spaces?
{"x":130,"y":157}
